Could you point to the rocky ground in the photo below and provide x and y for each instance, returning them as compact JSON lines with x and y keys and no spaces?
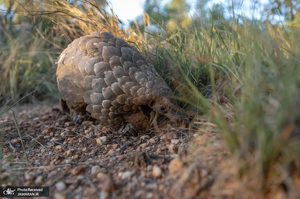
{"x":88,"y":161}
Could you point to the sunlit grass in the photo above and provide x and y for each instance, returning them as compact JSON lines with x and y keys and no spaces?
{"x":245,"y":78}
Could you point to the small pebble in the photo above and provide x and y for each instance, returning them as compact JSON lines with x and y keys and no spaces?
{"x":168,"y":137}
{"x":143,"y":145}
{"x":101,"y":140}
{"x":104,"y":195}
{"x":175,"y":141}
{"x":46,"y":132}
{"x":151,"y":186}
{"x":69,"y":152}
{"x":78,"y":170}
{"x":158,"y":151}
{"x":59,"y":196}
{"x":161,"y":187}
{"x":75,"y":156}
{"x":152,"y":141}
{"x":90,"y":134}
{"x":60,"y":186}
{"x":149,"y":195}
{"x":126,"y":175}
{"x":63,"y":134}
{"x":39,"y":180}
{"x":40,"y":137}
{"x":14,"y":141}
{"x":174,"y":155}
{"x":68,"y":161}
{"x":109,"y":184}
{"x":100,"y":175}
{"x":28,"y":175}
{"x":149,"y":168}
{"x":172,"y":148}
{"x":156,"y":171}
{"x":144,"y":137}
{"x":111,"y":152}
{"x":175,"y":165}
{"x":89,"y":191}
{"x":95,"y":170}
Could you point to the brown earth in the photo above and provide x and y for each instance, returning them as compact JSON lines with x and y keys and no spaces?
{"x":88,"y":161}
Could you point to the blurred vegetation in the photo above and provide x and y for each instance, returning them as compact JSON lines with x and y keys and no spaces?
{"x":243,"y":73}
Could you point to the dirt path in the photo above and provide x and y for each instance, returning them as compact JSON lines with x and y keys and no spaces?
{"x":88,"y":161}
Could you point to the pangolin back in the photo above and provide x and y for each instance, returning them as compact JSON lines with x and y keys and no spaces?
{"x":111,"y":80}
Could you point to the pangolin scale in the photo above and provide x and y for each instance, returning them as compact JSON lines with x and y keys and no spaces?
{"x":103,"y":76}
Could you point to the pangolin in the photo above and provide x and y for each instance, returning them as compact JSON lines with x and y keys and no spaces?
{"x":103,"y":76}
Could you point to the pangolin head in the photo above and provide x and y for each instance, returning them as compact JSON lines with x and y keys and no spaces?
{"x":168,"y":108}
